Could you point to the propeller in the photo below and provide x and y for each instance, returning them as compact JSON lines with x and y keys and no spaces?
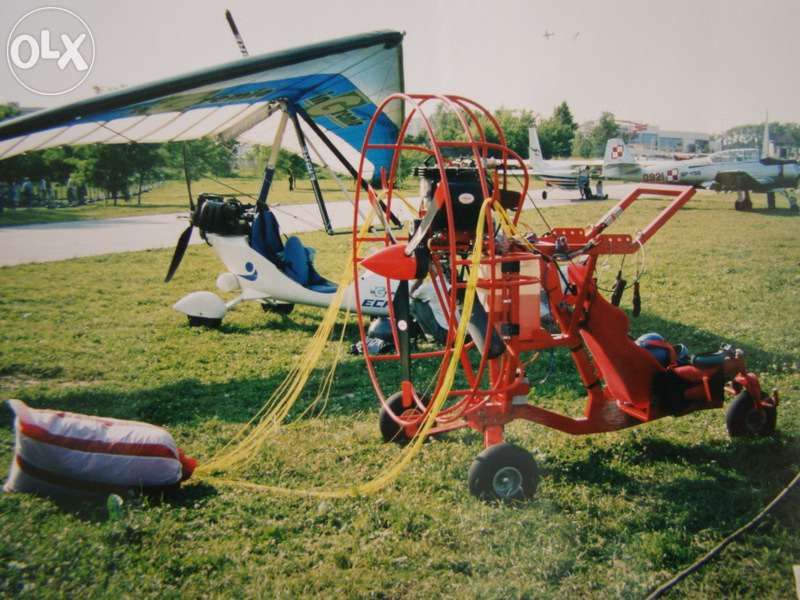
{"x":439,"y":198}
{"x":183,"y":240}
{"x":400,"y":304}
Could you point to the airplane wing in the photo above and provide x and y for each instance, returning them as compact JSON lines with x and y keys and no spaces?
{"x":338,"y":83}
{"x":739,"y":180}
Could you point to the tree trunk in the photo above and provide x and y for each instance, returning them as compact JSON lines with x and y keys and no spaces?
{"x":141,"y":180}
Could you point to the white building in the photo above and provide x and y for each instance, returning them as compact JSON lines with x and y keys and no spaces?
{"x":651,"y":140}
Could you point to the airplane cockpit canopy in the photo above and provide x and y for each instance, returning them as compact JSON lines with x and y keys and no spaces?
{"x":735,"y":155}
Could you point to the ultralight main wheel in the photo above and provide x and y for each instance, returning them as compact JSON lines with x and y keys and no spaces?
{"x":391,"y":431}
{"x":745,"y":419}
{"x":504,"y":472}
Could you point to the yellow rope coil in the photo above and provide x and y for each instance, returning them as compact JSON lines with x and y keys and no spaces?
{"x":245,"y":445}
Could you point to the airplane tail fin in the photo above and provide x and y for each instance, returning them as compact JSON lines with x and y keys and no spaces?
{"x":618,"y":161}
{"x":534,"y":149}
{"x":765,"y":141}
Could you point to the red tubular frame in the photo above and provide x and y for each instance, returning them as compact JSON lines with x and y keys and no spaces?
{"x":488,"y":409}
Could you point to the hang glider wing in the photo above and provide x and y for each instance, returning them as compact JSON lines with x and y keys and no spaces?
{"x":337,"y":83}
{"x":739,"y":180}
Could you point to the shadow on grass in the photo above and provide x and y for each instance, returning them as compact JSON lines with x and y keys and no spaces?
{"x":775,"y":212}
{"x":191,"y":402}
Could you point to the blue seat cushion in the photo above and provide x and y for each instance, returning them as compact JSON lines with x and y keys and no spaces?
{"x":295,"y":259}
{"x":265,"y":237}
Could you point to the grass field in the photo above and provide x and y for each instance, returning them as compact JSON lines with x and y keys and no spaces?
{"x":615,"y":514}
{"x":171,"y":197}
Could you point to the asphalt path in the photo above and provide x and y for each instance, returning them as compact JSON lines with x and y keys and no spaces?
{"x":72,"y":239}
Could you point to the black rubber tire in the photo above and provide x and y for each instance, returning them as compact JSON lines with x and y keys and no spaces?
{"x":743,"y":419}
{"x":544,"y":194}
{"x":503,"y":472}
{"x":770,"y":199}
{"x":390,"y":430}
{"x":282,"y":308}
{"x":204,"y":322}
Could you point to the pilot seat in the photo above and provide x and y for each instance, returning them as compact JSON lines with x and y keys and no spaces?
{"x":292,"y":258}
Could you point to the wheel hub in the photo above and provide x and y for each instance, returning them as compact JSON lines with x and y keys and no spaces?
{"x":507,"y":482}
{"x":756,"y":419}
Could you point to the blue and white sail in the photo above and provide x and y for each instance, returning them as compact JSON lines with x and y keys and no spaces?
{"x":338,"y":83}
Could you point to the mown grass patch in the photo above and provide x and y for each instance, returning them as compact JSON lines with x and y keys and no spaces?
{"x":615,"y":513}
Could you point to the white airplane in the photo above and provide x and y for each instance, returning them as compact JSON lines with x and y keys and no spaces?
{"x":741,"y":170}
{"x":262,"y":267}
{"x":557,"y":173}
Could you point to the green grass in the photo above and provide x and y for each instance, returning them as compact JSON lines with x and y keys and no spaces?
{"x":615,"y":514}
{"x":172,"y":197}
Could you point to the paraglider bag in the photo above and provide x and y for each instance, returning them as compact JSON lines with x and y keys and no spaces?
{"x":66,"y":454}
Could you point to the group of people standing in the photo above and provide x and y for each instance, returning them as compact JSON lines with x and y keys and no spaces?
{"x":26,"y":193}
{"x":584,"y":188}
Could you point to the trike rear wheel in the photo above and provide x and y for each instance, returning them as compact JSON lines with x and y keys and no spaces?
{"x":745,"y":419}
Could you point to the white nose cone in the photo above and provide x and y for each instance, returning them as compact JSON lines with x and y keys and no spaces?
{"x":227,"y":282}
{"x":206,"y":305}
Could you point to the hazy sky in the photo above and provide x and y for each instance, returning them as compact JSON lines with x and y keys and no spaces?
{"x":693,"y":65}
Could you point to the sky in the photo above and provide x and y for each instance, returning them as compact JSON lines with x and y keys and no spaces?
{"x":687,"y":65}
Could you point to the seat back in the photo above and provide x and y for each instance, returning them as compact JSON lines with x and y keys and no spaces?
{"x":265,"y":237}
{"x":627,"y":369}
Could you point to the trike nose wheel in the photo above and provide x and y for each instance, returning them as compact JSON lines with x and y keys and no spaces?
{"x":503,"y":472}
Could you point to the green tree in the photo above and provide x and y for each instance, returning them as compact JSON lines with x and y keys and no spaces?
{"x":563,"y":115}
{"x":556,"y":133}
{"x":582,"y":145}
{"x":288,"y":162}
{"x":8,"y":110}
{"x":110,"y":168}
{"x":515,"y":124}
{"x":205,"y":157}
{"x":605,"y":129}
{"x":147,"y":161}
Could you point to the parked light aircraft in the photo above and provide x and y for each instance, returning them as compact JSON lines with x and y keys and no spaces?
{"x":741,"y":170}
{"x":556,"y":173}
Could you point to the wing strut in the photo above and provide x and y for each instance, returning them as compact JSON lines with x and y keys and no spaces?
{"x":312,"y":173}
{"x":269,"y":170}
{"x":342,"y":159}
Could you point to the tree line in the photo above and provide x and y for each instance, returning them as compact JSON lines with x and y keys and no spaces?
{"x":119,"y":170}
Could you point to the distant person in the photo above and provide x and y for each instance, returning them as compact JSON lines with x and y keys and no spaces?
{"x":13,"y":195}
{"x":582,"y":183}
{"x":599,"y":191}
{"x":291,"y":181}
{"x":44,"y":196}
{"x":27,"y":192}
{"x":71,"y":199}
{"x":5,"y":192}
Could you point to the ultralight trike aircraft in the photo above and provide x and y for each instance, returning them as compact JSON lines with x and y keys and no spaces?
{"x":524,"y":293}
{"x":331,"y":88}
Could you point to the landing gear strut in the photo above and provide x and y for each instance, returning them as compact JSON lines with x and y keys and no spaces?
{"x":743,"y":201}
